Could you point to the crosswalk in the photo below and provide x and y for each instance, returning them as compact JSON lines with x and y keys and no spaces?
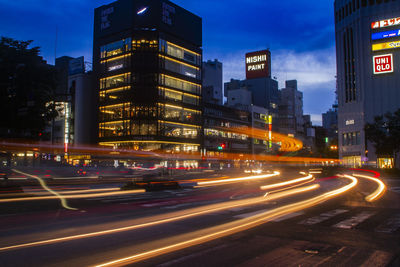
{"x":355,"y":220}
{"x":322,"y":217}
{"x":348,"y":219}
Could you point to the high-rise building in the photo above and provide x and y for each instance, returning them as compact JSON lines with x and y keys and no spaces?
{"x":212,"y":82}
{"x":367,"y":45}
{"x":147,"y":60}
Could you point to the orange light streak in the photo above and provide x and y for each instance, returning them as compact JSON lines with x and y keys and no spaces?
{"x":235,"y":227}
{"x":172,"y":218}
{"x":379,"y":192}
{"x":294,"y":181}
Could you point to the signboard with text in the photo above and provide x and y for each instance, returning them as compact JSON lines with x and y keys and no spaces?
{"x":258,"y":64}
{"x":383,"y":64}
{"x":385,"y":23}
{"x":385,"y":46}
{"x":387,"y":34}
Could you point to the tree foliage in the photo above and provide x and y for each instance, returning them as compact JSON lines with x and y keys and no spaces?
{"x":27,"y":83}
{"x":384,"y":133}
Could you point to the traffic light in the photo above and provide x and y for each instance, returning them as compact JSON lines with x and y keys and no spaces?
{"x":222,"y":146}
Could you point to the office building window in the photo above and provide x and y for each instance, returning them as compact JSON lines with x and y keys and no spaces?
{"x":351,"y":139}
{"x":180,"y":52}
{"x":115,"y":48}
{"x":116,"y":63}
{"x":181,"y":68}
{"x":114,"y":129}
{"x":115,"y":81}
{"x":171,"y":129}
{"x":349,"y":66}
{"x":144,"y":45}
{"x":114,"y":112}
{"x":180,"y":84}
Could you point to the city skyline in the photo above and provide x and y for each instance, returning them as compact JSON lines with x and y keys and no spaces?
{"x":311,"y":61}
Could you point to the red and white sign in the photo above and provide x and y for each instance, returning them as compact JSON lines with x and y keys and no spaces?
{"x":383,"y":64}
{"x":258,"y":64}
{"x":385,"y":23}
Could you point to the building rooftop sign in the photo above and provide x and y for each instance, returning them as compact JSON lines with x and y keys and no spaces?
{"x":258,"y":64}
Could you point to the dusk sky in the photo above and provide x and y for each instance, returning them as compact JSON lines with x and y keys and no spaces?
{"x":300,"y":35}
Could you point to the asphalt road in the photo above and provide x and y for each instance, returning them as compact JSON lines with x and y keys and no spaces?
{"x":218,"y":225}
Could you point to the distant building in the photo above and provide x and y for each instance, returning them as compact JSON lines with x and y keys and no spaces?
{"x":368,"y":76}
{"x":291,"y":110}
{"x":330,"y":123}
{"x":220,"y":136}
{"x":261,"y":131}
{"x":212,"y":82}
{"x":83,"y":104}
{"x":240,"y":98}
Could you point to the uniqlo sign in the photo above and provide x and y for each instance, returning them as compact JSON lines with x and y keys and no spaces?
{"x":383,"y":64}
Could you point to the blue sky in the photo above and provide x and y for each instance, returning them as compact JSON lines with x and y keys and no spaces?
{"x":299,"y":33}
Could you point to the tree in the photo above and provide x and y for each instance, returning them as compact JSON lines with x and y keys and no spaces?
{"x":384,"y":133}
{"x":27,"y":85}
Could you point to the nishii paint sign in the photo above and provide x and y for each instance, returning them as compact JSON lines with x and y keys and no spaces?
{"x":385,"y":23}
{"x":383,"y":64}
{"x":258,"y":64}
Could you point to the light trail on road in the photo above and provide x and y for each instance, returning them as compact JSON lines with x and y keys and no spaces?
{"x":74,"y":196}
{"x":233,"y":227}
{"x":44,"y":185}
{"x":290,"y":182}
{"x":240,"y":179}
{"x":171,"y":217}
{"x":378,"y":193}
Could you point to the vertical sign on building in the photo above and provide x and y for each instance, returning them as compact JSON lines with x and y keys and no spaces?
{"x":258,"y":64}
{"x":105,"y":22}
{"x":383,"y":64}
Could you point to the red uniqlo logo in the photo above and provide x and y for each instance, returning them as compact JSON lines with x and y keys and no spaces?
{"x":383,"y":64}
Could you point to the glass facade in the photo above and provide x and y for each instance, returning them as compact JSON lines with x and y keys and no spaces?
{"x":170,"y":129}
{"x":180,"y":53}
{"x":174,"y":113}
{"x":115,"y":81}
{"x":179,"y":84}
{"x":182,"y":68}
{"x":116,"y":48}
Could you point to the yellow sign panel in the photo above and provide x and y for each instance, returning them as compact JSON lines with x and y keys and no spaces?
{"x":384,"y":46}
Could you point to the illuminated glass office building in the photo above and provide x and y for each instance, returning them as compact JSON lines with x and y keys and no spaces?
{"x":147,"y":62}
{"x":368,"y":73}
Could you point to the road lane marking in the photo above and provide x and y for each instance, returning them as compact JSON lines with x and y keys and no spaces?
{"x":390,"y":226}
{"x":289,"y":216}
{"x":322,"y":217}
{"x":355,"y":220}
